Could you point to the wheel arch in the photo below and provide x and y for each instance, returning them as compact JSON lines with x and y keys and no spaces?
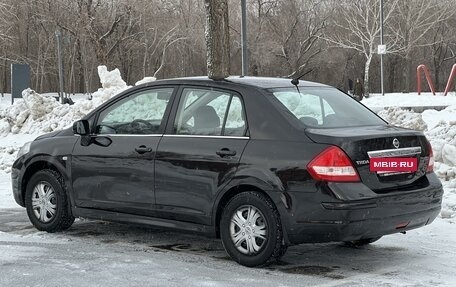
{"x":235,"y":188}
{"x":37,"y":164}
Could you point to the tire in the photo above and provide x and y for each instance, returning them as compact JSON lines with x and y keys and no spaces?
{"x":260,"y":242}
{"x":46,"y":192}
{"x":362,"y":242}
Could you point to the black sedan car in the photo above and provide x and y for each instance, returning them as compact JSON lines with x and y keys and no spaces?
{"x":262,"y":163}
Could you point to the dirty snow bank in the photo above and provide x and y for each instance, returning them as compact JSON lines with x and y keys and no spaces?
{"x":442,"y":135}
{"x":38,"y":114}
{"x":404,"y":118}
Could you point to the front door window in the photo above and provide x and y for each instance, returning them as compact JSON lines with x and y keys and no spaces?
{"x":140,"y":113}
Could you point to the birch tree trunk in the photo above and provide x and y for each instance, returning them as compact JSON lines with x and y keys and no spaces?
{"x":366,"y":75}
{"x":217,"y":39}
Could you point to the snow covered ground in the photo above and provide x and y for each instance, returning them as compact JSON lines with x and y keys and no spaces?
{"x":101,"y":254}
{"x":93,"y":253}
{"x":377,"y":102}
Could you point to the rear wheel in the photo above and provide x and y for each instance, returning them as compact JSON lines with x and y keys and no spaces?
{"x":362,"y":242}
{"x":251,"y":230}
{"x":46,"y":202}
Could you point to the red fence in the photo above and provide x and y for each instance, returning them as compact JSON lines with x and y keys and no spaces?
{"x":425,"y":70}
{"x":450,"y":79}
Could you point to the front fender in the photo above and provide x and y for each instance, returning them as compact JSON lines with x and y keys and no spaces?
{"x":28,"y":166}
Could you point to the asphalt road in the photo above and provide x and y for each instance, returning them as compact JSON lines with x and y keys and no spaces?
{"x":95,"y":253}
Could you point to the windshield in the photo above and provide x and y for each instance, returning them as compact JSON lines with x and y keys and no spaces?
{"x":322,"y":107}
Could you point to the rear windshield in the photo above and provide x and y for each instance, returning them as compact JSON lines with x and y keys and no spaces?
{"x":321,"y":107}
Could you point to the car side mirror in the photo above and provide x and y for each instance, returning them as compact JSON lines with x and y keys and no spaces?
{"x":81,"y":127}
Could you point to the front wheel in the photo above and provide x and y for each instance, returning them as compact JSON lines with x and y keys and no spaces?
{"x":46,"y":202}
{"x":251,"y":230}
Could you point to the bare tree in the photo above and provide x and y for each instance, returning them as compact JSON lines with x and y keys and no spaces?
{"x":358,"y":27}
{"x":167,"y":38}
{"x":296,"y":35}
{"x":414,"y":21}
{"x":157,"y":46}
{"x":6,"y":38}
{"x":106,"y":40}
{"x":443,"y":48}
{"x":259,"y":33}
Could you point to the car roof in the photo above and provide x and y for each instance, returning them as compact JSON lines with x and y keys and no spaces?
{"x":259,"y":82}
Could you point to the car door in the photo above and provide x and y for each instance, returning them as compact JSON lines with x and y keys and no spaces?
{"x":114,"y":169}
{"x":199,"y":153}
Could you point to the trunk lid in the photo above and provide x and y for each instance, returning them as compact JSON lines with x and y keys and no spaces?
{"x":377,"y":141}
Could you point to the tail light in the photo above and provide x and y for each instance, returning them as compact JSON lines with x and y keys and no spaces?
{"x":430,"y":166}
{"x":332,"y":164}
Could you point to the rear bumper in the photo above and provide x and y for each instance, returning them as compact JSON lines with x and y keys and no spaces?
{"x":349,"y":212}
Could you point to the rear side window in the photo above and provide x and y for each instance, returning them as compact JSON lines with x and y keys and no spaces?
{"x":210,"y":113}
{"x":324,"y":108}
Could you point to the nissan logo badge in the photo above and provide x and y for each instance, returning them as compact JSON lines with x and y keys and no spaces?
{"x":396,"y":143}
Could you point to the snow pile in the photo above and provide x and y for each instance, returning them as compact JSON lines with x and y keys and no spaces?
{"x":5,"y":127}
{"x":145,"y":80}
{"x":442,"y":134}
{"x":7,"y":156}
{"x":110,"y":79}
{"x":404,"y":118}
{"x":9,"y":146}
{"x":434,"y":118}
{"x":449,"y":199}
{"x":443,"y":141}
{"x":112,"y":84}
{"x":42,"y":113}
{"x":13,"y":117}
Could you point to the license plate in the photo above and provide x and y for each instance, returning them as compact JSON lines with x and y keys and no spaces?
{"x":384,"y":165}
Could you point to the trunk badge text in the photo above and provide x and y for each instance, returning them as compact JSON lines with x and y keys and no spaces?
{"x":396,"y":143}
{"x":362,"y":162}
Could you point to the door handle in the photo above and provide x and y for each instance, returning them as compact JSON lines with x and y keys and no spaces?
{"x":143,"y":149}
{"x":225,"y":152}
